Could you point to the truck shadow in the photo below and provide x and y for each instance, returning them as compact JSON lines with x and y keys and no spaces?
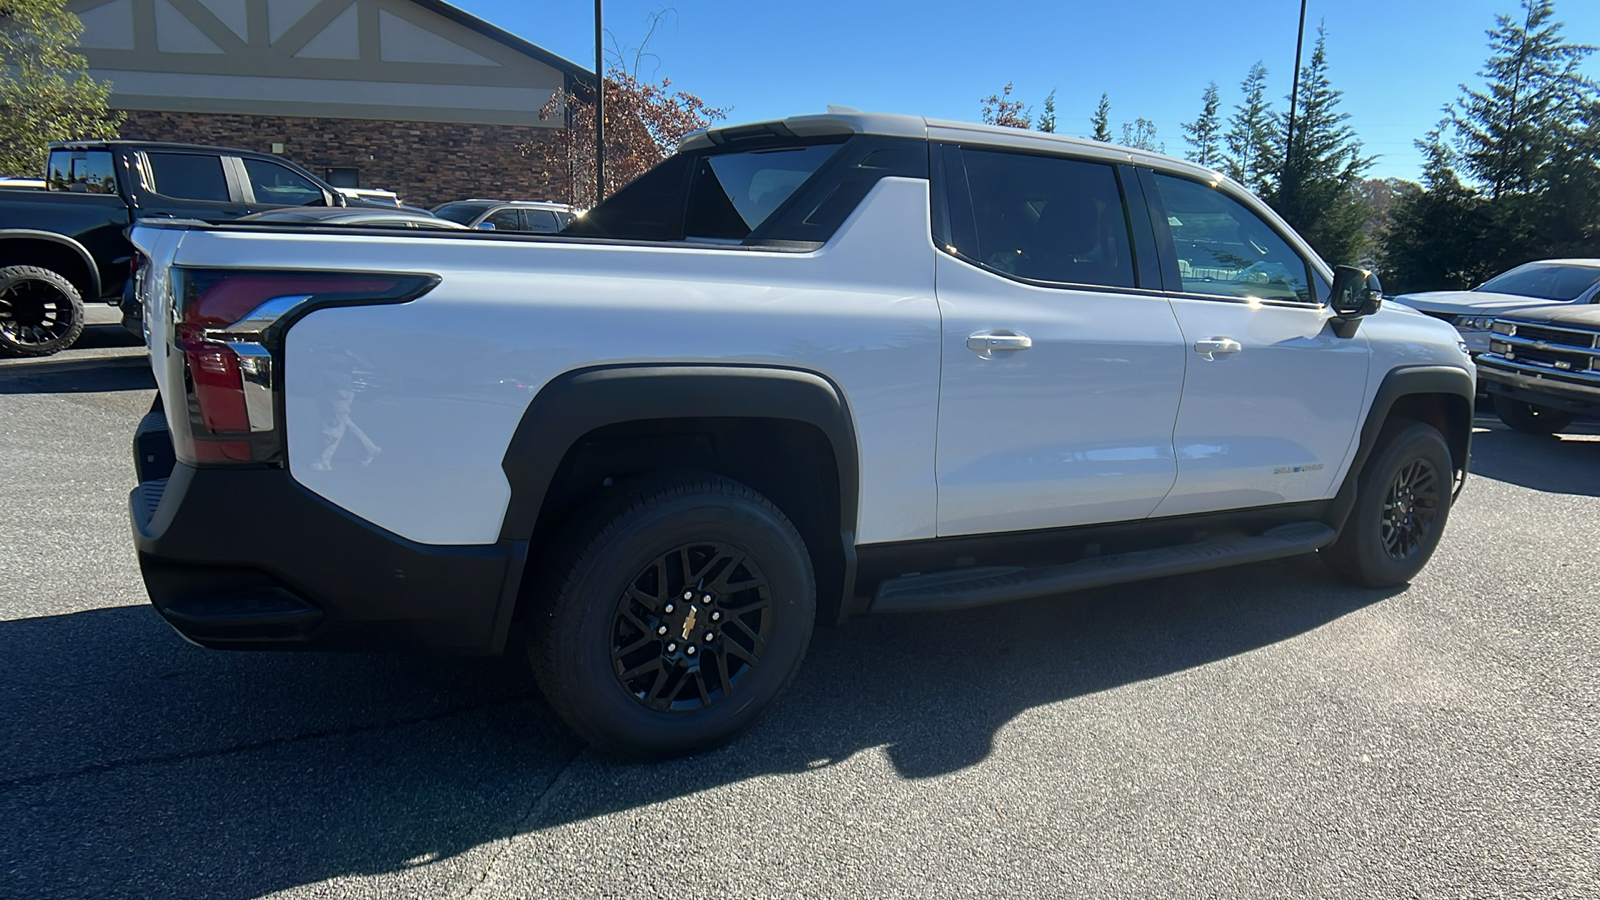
{"x":137,"y":765}
{"x":1566,"y":463}
{"x":77,"y":375}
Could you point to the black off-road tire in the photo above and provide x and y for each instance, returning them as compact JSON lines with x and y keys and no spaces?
{"x":593,"y":593}
{"x":41,"y":313}
{"x":1529,"y":418}
{"x":1393,"y":529}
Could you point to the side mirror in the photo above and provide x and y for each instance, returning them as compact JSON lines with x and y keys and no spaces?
{"x":1356,"y":293}
{"x":485,"y":226}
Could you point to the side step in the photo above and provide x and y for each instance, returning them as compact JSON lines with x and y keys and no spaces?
{"x":963,"y":588}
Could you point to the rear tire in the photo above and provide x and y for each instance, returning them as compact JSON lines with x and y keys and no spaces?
{"x":1402,"y":503}
{"x":675,"y":613}
{"x":41,"y":313}
{"x":1529,"y":418}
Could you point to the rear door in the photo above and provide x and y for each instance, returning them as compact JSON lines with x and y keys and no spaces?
{"x":188,"y":185}
{"x":1272,"y":397}
{"x":1063,"y":362}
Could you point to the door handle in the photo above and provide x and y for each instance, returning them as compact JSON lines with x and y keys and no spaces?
{"x":1211,"y":348}
{"x":987,"y":343}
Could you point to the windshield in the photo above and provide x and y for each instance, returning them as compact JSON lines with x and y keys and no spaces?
{"x":459,"y":213}
{"x":1544,"y":281}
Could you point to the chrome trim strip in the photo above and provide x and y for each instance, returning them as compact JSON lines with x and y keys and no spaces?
{"x":262,"y":317}
{"x":255,"y":377}
{"x":1578,"y":376}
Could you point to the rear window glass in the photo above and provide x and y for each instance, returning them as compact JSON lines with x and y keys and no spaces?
{"x":1545,"y":281}
{"x":731,"y":194}
{"x":188,"y":176}
{"x":81,"y":171}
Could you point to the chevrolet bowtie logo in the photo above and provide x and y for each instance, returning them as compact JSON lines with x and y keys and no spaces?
{"x":688,"y":623}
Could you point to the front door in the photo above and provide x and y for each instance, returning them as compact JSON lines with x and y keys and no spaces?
{"x":1272,"y":397}
{"x":1061,"y":378}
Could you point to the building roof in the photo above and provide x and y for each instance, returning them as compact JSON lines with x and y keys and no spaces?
{"x":496,"y":33}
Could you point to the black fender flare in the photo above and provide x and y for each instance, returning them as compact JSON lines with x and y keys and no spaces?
{"x":54,"y":238}
{"x":578,"y":402}
{"x":1397,"y":384}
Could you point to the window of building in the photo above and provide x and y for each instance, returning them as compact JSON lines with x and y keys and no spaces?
{"x":1045,"y":218}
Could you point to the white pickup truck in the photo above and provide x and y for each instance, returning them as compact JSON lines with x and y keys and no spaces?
{"x":800,"y":371}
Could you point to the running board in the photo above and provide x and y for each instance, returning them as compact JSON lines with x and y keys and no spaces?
{"x":963,"y":588}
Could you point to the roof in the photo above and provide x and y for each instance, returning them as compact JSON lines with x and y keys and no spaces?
{"x":146,"y":145}
{"x":495,"y":33}
{"x":838,"y":121}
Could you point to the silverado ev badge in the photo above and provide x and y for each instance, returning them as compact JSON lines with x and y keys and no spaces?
{"x":1296,"y":470}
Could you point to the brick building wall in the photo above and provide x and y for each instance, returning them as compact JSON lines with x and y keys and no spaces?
{"x":426,"y":163}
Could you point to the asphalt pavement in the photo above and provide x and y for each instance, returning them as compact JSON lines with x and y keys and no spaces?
{"x":1263,"y":731}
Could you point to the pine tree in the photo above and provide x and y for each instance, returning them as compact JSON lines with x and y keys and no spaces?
{"x":1320,"y":166}
{"x":1047,"y":119}
{"x":44,"y":88}
{"x":1204,"y":134}
{"x":1101,"y":120}
{"x":1141,"y":134}
{"x":1439,"y":235}
{"x":1250,"y":135}
{"x":1507,"y":133}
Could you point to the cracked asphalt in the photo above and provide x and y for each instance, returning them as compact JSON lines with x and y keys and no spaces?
{"x":1257,"y":732}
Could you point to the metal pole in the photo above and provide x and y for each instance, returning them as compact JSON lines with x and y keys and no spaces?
{"x":599,"y":109}
{"x":1294,"y":94}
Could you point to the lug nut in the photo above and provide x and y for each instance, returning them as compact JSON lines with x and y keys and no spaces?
{"x":716,"y":617}
{"x":690,"y":651}
{"x":669,"y":608}
{"x":661,"y":630}
{"x":710,"y":637}
{"x":672,"y":648}
{"x":688,"y":595}
{"x":706,"y":599}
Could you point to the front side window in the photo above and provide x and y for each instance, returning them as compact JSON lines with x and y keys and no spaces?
{"x":188,"y":176}
{"x":1225,"y":250}
{"x":731,"y":194}
{"x":1544,"y":281}
{"x":507,"y":219}
{"x":1048,"y":219}
{"x":278,"y":185}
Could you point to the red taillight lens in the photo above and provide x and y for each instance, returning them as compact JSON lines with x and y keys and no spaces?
{"x":229,"y":330}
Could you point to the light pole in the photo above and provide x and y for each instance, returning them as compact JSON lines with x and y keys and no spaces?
{"x":1294,"y":94}
{"x":600,"y":106}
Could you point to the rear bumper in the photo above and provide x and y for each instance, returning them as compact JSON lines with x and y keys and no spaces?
{"x":1541,"y":390}
{"x":250,"y":559}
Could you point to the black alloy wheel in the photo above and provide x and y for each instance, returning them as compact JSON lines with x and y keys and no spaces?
{"x":41,"y":312}
{"x":691,"y":627}
{"x":1403,"y":497}
{"x":670,"y":615}
{"x":1410,"y":508}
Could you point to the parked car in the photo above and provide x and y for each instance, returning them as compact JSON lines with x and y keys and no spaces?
{"x":63,"y":246}
{"x":529,"y":216}
{"x":1542,"y":368}
{"x":1542,"y":283}
{"x":835,"y":365}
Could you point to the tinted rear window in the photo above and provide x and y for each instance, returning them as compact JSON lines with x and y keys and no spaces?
{"x":1545,"y":281}
{"x":188,"y":176}
{"x":81,"y":171}
{"x":731,"y":194}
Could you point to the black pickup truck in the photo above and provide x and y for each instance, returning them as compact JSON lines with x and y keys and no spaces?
{"x":63,"y":244}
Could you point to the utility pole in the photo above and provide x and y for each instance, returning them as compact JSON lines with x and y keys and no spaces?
{"x":1294,"y":94}
{"x":600,"y":106}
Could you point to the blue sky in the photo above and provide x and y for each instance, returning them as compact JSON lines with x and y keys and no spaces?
{"x":1397,"y":61}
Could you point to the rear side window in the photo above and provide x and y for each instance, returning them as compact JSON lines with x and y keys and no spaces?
{"x":1044,"y":218}
{"x":542,"y":221}
{"x":731,"y":194}
{"x":188,"y":176}
{"x":81,"y":172}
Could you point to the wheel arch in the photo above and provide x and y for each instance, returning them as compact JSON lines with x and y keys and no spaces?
{"x":56,"y":252}
{"x":754,"y":424}
{"x":1439,"y":396}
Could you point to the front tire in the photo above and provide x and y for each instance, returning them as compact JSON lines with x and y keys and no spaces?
{"x":41,"y":313}
{"x":1402,"y":503}
{"x":1529,"y":418}
{"x":678,"y":610}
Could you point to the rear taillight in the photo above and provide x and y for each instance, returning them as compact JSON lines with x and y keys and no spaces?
{"x":229,"y":328}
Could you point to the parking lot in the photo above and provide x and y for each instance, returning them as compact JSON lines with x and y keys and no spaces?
{"x":1262,"y":732}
